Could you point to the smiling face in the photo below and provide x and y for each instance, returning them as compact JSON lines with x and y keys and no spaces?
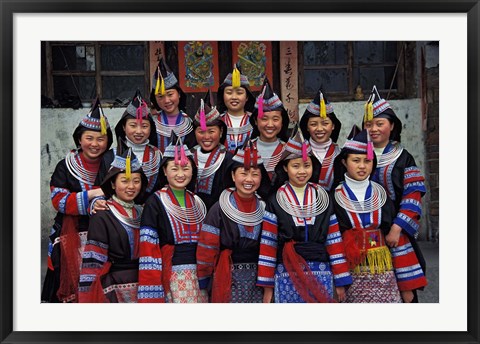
{"x":235,"y":100}
{"x":135,"y":132}
{"x":178,"y":176}
{"x":379,"y":130}
{"x":127,"y":189}
{"x":299,"y":171}
{"x":93,"y":144}
{"x":320,"y":129}
{"x":208,"y":139}
{"x":247,"y":181}
{"x":169,"y":102}
{"x":270,"y":125}
{"x":358,"y":166}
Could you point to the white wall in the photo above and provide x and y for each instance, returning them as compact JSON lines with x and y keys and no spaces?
{"x":57,"y":126}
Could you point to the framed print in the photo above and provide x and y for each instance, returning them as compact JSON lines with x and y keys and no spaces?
{"x":255,"y":61}
{"x":198,"y":66}
{"x":454,"y":318}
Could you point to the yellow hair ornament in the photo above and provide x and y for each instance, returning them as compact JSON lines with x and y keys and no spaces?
{"x":128,"y":165}
{"x":370,"y":110}
{"x":323,"y":108}
{"x":235,"y":77}
{"x":160,"y":84}
{"x":157,"y":86}
{"x":103,"y":125}
{"x":368,"y":113}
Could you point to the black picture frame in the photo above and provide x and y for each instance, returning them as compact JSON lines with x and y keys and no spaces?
{"x":10,"y":7}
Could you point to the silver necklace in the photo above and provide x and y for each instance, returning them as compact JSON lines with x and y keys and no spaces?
{"x":318,"y":206}
{"x":238,"y":216}
{"x":373,"y":203}
{"x":77,"y":170}
{"x":387,"y":158}
{"x":188,"y":216}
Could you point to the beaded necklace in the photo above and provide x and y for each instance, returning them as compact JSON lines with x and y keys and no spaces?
{"x":238,"y":216}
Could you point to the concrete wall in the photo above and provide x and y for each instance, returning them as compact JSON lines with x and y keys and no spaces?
{"x":58,"y":125}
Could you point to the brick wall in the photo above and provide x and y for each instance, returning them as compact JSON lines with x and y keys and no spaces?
{"x":432,"y":137}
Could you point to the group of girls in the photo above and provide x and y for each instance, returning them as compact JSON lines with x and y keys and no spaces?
{"x":225,"y":206}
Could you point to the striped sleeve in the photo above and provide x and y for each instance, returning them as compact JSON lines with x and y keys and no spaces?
{"x":336,"y":252}
{"x":410,"y":210}
{"x":150,"y":287}
{"x":268,"y":251}
{"x":208,"y":249}
{"x":409,"y":274}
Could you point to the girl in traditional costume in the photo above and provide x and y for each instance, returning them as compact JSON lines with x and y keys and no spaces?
{"x":72,"y":186}
{"x":398,"y":173}
{"x":321,"y":127}
{"x":365,"y":214}
{"x":170,"y":228}
{"x":110,"y":260}
{"x":210,"y":155}
{"x":169,"y":102}
{"x":228,"y":248}
{"x":235,"y":103}
{"x":270,"y":124}
{"x":302,"y":255}
{"x":135,"y":130}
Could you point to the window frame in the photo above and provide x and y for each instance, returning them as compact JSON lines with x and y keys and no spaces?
{"x":98,"y":73}
{"x":398,"y":92}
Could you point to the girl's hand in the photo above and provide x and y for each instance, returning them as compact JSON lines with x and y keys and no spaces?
{"x":267,"y":295}
{"x":340,"y":293}
{"x":407,"y":296}
{"x":100,"y":204}
{"x":393,"y":236}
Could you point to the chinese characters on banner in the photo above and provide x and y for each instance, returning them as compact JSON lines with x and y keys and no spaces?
{"x":156,"y":52}
{"x":288,"y":78}
{"x":198,"y":66}
{"x":255,"y":60}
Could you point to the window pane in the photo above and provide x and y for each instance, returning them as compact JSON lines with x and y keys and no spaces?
{"x":380,"y":76}
{"x":333,"y":80}
{"x":73,"y":58}
{"x":122,"y":57}
{"x":65,"y":86}
{"x":368,"y":52}
{"x":324,"y":53}
{"x":122,"y":86}
{"x":391,"y":54}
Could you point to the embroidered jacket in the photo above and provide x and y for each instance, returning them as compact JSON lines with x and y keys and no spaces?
{"x":317,"y":238}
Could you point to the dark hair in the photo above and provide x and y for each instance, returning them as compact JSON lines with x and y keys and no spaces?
{"x":265,"y":184}
{"x":108,"y":191}
{"x":396,"y":133}
{"x":217,"y":122}
{"x":304,"y":125}
{"x":281,"y":176}
{"x":162,"y":178}
{"x":183,"y":98}
{"x":120,"y":131}
{"x":283,"y":134}
{"x":77,"y":135}
{"x":249,"y":105}
{"x":339,"y":168}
